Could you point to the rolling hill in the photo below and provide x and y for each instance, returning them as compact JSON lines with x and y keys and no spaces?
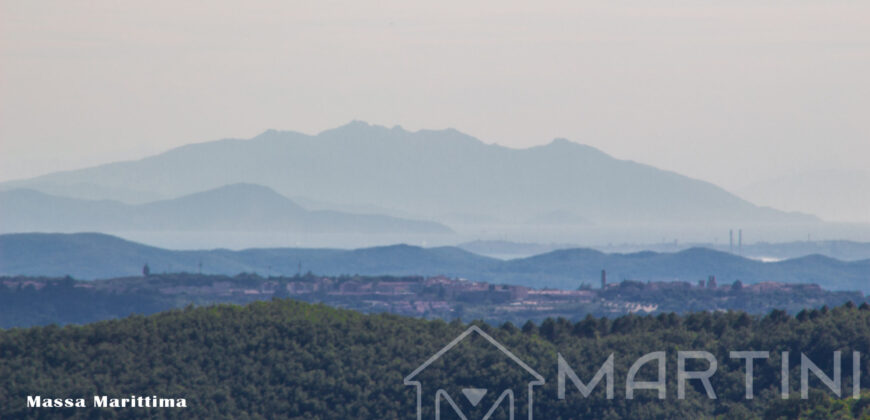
{"x":238,"y":207}
{"x":90,"y":256}
{"x":294,"y":360}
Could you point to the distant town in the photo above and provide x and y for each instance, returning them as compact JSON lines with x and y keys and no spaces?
{"x":28,"y":301}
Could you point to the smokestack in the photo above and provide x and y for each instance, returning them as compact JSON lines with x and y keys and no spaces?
{"x":740,"y":241}
{"x":603,"y":279}
{"x":731,"y":240}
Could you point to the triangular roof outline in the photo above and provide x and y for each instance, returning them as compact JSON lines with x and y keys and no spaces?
{"x":539,"y":380}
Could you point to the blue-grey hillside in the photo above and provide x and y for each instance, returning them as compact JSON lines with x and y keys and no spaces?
{"x":94,"y":255}
{"x":90,"y":256}
{"x":238,"y":207}
{"x":425,"y":173}
{"x":836,"y":249}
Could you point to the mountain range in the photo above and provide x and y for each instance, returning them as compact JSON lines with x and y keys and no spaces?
{"x":90,"y":256}
{"x":238,"y":207}
{"x":426,"y":174}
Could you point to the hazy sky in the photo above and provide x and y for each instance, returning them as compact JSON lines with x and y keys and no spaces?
{"x":730,"y":92}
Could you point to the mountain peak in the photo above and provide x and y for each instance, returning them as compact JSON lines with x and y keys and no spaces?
{"x":358,"y":123}
{"x":241,"y":190}
{"x":356,"y":127}
{"x":231,"y":196}
{"x":245,"y":187}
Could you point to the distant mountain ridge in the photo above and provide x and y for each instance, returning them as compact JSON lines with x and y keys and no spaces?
{"x":89,"y":256}
{"x":426,"y":173}
{"x":830,"y":194}
{"x":243,"y":207}
{"x":837,"y":249}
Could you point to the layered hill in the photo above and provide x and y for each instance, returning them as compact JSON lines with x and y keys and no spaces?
{"x":765,"y":251}
{"x":90,"y":256}
{"x":238,"y":207}
{"x":94,"y":255}
{"x":425,"y":173}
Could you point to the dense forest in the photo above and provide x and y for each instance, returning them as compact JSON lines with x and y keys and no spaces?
{"x":289,"y":359}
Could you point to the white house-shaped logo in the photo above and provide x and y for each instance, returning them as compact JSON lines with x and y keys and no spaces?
{"x":508,"y":398}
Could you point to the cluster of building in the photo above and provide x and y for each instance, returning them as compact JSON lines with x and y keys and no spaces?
{"x":437,"y":296}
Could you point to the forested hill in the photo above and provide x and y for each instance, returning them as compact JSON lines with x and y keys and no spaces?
{"x":285,"y":359}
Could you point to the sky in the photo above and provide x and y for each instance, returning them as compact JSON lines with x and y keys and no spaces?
{"x":729,"y":92}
